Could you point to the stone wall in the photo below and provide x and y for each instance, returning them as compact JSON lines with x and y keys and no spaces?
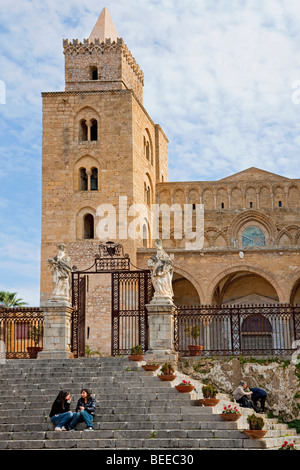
{"x":280,"y":379}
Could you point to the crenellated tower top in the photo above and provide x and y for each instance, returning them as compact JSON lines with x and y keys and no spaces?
{"x":102,"y":62}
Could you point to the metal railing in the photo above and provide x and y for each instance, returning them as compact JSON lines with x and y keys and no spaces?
{"x":245,"y":330}
{"x":20,"y":329}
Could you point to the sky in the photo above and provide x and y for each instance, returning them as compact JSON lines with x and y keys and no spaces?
{"x":222,"y":78}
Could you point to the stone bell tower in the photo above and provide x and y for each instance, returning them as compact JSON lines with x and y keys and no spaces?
{"x":99,"y":144}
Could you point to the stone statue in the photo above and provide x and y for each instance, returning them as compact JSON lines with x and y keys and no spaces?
{"x":61,"y":273}
{"x":162,"y":268}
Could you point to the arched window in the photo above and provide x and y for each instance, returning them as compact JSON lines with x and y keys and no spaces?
{"x":145,"y":236}
{"x":253,"y":236}
{"x":94,"y":129}
{"x":256,"y":333}
{"x":88,"y":227}
{"x":94,"y":179}
{"x":83,"y":179}
{"x":83,"y":130}
{"x":94,"y":73}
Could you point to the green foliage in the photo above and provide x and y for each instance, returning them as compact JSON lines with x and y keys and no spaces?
{"x":90,"y":352}
{"x":295,"y":424}
{"x":209,"y":391}
{"x":192,"y":331}
{"x":35,"y":333}
{"x":167,"y":369}
{"x":9,"y":299}
{"x":255,"y":422}
{"x":137,"y":350}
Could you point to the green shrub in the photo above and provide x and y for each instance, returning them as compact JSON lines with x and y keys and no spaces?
{"x":209,"y":391}
{"x":256,"y":423}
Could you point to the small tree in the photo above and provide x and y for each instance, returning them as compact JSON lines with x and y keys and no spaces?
{"x":35,"y":333}
{"x":193,"y":332}
{"x":137,"y":350}
{"x":256,"y":423}
{"x":167,"y":369}
{"x":209,"y":391}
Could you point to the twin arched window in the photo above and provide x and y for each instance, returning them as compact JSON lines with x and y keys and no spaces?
{"x":88,"y":130}
{"x":148,"y":151}
{"x":88,"y":180}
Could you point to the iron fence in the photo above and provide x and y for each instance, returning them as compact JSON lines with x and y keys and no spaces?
{"x":245,"y":330}
{"x":21,"y":329}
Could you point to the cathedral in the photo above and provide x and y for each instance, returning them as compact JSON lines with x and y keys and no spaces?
{"x":100,"y":147}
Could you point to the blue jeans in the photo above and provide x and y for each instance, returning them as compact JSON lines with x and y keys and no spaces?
{"x":81,"y":416}
{"x":62,"y":420}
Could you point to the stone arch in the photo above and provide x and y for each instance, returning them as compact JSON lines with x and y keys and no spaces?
{"x":265,"y":199}
{"x":284,"y":238}
{"x":191,"y":279}
{"x":86,"y":119}
{"x":250,"y":198}
{"x":208,"y":199}
{"x":88,"y":163}
{"x":279,"y":196}
{"x":293,"y":196}
{"x":295,"y":291}
{"x":222,"y":198}
{"x":236,"y":198}
{"x":249,"y":269}
{"x":80,"y":218}
{"x":164,"y":197}
{"x":252,"y":218}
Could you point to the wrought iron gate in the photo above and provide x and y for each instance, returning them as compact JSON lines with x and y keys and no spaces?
{"x":131,"y":291}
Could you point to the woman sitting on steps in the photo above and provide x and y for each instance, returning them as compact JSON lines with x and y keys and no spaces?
{"x":60,"y":413}
{"x":85,"y":411}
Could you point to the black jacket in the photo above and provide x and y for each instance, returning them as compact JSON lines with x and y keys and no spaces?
{"x":57,"y":409}
{"x":90,"y":406}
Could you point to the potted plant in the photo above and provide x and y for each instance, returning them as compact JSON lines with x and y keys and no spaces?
{"x":230,"y":414}
{"x":35,"y":334}
{"x":167,"y":372}
{"x":194,"y":333}
{"x":209,"y":396}
{"x":185,"y":387}
{"x":136,"y":354}
{"x":256,"y":424}
{"x":151,"y":366}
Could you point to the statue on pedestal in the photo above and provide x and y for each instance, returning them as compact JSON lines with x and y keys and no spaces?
{"x":61,"y":269}
{"x":162,"y":268}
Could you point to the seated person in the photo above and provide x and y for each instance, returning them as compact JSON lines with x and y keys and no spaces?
{"x":85,"y":411}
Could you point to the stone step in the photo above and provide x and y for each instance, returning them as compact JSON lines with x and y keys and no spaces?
{"x":137,"y":434}
{"x":91,"y":442}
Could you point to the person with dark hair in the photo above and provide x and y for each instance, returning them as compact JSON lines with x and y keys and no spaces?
{"x":259,"y":395}
{"x":85,"y":411}
{"x":60,"y":413}
{"x":243,"y":396}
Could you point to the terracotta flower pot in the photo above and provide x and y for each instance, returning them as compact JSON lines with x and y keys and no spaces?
{"x":195,"y":350}
{"x":151,"y":368}
{"x":136,"y":358}
{"x":255,"y":433}
{"x":184,"y":388}
{"x":230,"y":416}
{"x":209,"y":401}
{"x":167,"y":378}
{"x":33,"y":351}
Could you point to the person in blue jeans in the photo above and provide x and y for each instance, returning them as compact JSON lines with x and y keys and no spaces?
{"x":259,"y":395}
{"x":60,"y":413}
{"x":85,"y":411}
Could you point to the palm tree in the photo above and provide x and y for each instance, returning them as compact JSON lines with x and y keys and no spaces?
{"x":9,"y":299}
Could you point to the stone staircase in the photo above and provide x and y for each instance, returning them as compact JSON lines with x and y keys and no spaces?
{"x":135,"y":410}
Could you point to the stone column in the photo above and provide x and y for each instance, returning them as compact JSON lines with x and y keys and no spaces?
{"x":57,"y":330}
{"x":161,"y":333}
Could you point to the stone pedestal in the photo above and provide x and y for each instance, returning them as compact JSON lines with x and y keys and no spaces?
{"x":57,"y":329}
{"x":161,"y":332}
